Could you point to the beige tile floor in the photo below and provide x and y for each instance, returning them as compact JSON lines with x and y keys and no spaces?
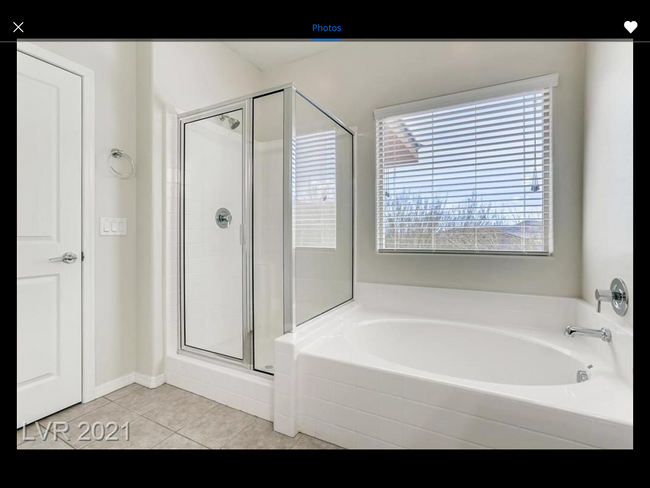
{"x":164,"y":418}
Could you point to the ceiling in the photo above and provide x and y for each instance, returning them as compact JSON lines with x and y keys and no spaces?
{"x":267,"y":54}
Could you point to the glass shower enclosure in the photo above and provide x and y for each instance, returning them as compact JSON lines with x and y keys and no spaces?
{"x":266,"y":209}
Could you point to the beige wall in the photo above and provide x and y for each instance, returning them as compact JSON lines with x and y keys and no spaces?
{"x":607,"y":243}
{"x":115,"y":278}
{"x":354,"y":79}
{"x":148,"y":339}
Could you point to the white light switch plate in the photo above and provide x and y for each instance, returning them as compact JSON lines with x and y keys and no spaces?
{"x":112,"y":226}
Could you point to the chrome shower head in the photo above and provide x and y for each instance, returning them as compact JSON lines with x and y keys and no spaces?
{"x":232,"y":122}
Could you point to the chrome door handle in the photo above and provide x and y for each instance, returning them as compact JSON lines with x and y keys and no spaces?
{"x":68,"y":258}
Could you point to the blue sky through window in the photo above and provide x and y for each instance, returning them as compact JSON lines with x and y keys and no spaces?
{"x":479,"y":168}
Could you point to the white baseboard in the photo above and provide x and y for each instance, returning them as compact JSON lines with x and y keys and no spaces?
{"x":116,"y":384}
{"x":140,"y":379}
{"x":149,"y":381}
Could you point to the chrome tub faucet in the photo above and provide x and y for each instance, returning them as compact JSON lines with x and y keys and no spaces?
{"x":603,"y":334}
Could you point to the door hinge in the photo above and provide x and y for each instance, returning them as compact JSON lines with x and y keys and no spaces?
{"x":83,"y":256}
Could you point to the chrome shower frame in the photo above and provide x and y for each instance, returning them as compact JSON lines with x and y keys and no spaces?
{"x":183,"y":348}
{"x":289,"y":323}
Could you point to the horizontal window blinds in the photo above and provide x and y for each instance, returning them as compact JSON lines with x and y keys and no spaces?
{"x":467,"y":178}
{"x":315,"y":190}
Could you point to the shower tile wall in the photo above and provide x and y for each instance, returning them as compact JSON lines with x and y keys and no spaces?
{"x":213,"y":266}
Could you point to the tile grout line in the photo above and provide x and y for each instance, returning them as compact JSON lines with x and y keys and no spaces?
{"x":189,"y":421}
{"x":143,"y":415}
{"x":74,"y":418}
{"x":138,"y":415}
{"x":217,"y":404}
{"x":238,"y":432}
{"x":108,"y":400}
{"x":161,"y":404}
{"x":185,"y":437}
{"x":65,"y":442}
{"x":183,"y":426}
{"x":430,"y":405}
{"x":295,"y":438}
{"x":49,"y":429}
{"x":162,"y":440}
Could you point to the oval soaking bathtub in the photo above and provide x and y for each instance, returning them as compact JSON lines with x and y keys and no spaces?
{"x":465,"y":351}
{"x":410,"y":367}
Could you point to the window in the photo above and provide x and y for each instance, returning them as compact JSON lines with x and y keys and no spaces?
{"x":315,"y":191}
{"x":467,"y":173}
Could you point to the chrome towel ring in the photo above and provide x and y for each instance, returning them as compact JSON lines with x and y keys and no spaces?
{"x":118,"y":153}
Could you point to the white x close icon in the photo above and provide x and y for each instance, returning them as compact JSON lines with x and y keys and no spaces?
{"x":18,"y":27}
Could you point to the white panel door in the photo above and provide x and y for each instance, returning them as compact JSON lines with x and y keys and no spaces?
{"x":49,"y":225}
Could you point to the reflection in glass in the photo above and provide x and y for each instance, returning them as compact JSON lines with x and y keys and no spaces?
{"x":315,"y":191}
{"x":322,"y":224}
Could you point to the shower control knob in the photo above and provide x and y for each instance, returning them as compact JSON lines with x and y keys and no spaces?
{"x":603,"y":295}
{"x":223,"y":217}
{"x":617,"y":295}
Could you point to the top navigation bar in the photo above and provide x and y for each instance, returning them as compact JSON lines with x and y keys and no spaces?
{"x":526,"y":27}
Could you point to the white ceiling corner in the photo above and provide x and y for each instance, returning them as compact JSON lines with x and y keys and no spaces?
{"x":269,"y":54}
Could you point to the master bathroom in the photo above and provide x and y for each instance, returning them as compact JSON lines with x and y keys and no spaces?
{"x":325,"y":244}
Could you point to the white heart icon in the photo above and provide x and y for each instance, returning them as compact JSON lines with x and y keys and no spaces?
{"x":630,"y":26}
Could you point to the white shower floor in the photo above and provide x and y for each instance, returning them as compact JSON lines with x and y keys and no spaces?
{"x":264,"y":354}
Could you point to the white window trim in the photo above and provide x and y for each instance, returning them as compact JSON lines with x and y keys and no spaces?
{"x":468,"y":97}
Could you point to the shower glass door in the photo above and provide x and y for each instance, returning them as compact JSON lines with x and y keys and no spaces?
{"x":213,"y":253}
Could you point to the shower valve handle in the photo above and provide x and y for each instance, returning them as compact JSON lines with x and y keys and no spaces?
{"x":603,"y":296}
{"x":223,"y":217}
{"x":617,"y":295}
